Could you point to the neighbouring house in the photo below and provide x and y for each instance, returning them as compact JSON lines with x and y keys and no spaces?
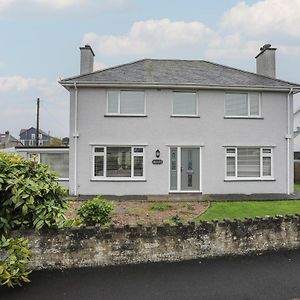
{"x":8,"y":141}
{"x":163,"y":126}
{"x":28,"y":137}
{"x":57,"y":158}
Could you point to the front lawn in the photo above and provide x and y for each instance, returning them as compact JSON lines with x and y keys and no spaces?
{"x":297,"y":187}
{"x":249,"y":209}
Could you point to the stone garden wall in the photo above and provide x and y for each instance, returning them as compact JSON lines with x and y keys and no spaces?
{"x":95,"y":246}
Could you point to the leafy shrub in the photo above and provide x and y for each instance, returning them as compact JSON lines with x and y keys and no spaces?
{"x":30,"y":195}
{"x":175,"y":220}
{"x":14,"y":257}
{"x":96,"y":211}
{"x":161,"y":207}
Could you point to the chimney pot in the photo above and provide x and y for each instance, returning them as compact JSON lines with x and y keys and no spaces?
{"x":86,"y":59}
{"x":266,"y":62}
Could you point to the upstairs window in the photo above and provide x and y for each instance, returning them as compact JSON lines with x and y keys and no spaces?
{"x":184,"y":104}
{"x":242,"y":105}
{"x":125,"y":103}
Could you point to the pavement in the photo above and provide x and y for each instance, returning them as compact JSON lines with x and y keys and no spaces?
{"x":269,"y":276}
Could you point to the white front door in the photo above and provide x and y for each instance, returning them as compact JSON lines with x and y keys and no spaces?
{"x":185,"y":169}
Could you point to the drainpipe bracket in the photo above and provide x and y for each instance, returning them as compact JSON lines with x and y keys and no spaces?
{"x":288,"y":136}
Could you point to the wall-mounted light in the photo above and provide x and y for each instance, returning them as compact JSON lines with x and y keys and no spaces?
{"x":157,"y":153}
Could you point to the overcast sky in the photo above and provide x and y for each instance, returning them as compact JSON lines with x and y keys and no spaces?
{"x":40,"y":42}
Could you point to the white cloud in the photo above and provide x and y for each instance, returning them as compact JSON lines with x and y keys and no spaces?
{"x":59,"y":4}
{"x":264,"y":18}
{"x":19,"y":83}
{"x":99,"y":66}
{"x":5,"y":3}
{"x":147,"y":37}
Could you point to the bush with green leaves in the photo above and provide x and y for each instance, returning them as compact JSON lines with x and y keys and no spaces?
{"x":14,"y":258}
{"x":96,"y":211}
{"x":30,"y":195}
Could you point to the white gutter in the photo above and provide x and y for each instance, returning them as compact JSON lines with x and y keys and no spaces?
{"x":75,"y":136}
{"x":288,"y":138}
{"x":155,"y":85}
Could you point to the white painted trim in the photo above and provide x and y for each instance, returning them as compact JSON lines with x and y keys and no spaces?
{"x":107,"y":114}
{"x":248,"y":116}
{"x":101,"y":144}
{"x":178,"y":190}
{"x":104,"y":154}
{"x":261,"y":155}
{"x":196,"y":115}
{"x":248,"y":146}
{"x":42,"y":150}
{"x":185,"y":145}
{"x":187,"y":86}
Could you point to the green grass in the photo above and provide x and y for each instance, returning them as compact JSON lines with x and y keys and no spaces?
{"x":249,"y":209}
{"x":160,"y":207}
{"x":297,"y":187}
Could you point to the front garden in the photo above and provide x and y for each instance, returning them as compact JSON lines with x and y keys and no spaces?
{"x":31,"y":198}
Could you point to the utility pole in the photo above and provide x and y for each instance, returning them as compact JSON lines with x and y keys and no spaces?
{"x":37,"y":130}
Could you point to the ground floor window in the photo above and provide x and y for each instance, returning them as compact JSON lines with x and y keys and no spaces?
{"x":118,"y":162}
{"x":249,"y":163}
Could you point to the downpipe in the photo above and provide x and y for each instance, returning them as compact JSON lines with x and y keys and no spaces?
{"x":288,"y":139}
{"x":75,"y":136}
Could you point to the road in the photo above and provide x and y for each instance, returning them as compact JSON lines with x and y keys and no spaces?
{"x":269,"y":276}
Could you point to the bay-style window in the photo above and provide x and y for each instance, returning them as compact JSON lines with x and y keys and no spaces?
{"x":125,"y":102}
{"x":185,"y":104}
{"x":243,"y":105}
{"x":249,"y":163}
{"x":118,"y":162}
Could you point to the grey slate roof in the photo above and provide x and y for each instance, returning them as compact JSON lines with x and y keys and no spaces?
{"x":178,"y":72}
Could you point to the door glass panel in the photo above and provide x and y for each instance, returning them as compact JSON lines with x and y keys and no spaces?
{"x":190,"y":169}
{"x":173,"y":169}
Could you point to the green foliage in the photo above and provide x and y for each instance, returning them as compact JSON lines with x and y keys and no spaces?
{"x":14,"y":257}
{"x":175,"y":220}
{"x":96,"y":211}
{"x":30,"y":195}
{"x":160,"y":207}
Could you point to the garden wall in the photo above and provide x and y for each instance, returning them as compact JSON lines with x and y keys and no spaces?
{"x":95,"y":246}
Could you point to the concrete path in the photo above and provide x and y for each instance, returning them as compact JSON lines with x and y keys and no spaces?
{"x":270,"y":276}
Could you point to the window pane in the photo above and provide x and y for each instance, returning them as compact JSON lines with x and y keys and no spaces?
{"x":132,"y":102}
{"x":113,"y":102}
{"x":184,"y":103}
{"x":266,"y":166}
{"x":248,"y":162}
{"x":236,"y":105}
{"x":138,"y":166}
{"x":98,"y":167}
{"x":173,"y":169}
{"x":138,"y":150}
{"x":254,"y":104}
{"x":230,"y":166}
{"x":57,"y":162}
{"x":230,"y":150}
{"x":118,"y":162}
{"x":99,"y":149}
{"x":266,"y":150}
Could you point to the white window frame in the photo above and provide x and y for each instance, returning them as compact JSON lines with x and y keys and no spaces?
{"x":262,"y":155}
{"x":33,"y":136}
{"x":119,"y":103}
{"x":185,"y":115}
{"x":104,"y":154}
{"x":248,"y":116}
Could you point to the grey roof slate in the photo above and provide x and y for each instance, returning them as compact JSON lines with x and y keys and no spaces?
{"x":177,"y":72}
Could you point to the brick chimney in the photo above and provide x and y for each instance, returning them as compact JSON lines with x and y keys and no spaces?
{"x":266,"y":62}
{"x":86,"y":59}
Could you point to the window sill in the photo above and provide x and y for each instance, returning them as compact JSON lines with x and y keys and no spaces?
{"x":125,"y":115}
{"x":249,"y":179}
{"x":119,"y":179}
{"x":184,"y":116}
{"x":241,"y":117}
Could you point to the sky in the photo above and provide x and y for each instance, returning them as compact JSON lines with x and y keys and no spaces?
{"x":40,"y":40}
